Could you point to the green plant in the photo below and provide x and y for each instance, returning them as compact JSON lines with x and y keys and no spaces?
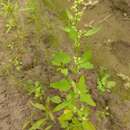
{"x":73,"y":102}
{"x":104,"y":82}
{"x":17,"y":63}
{"x":45,"y":108}
{"x":33,"y":13}
{"x":9,"y":11}
{"x":8,"y":8}
{"x":35,"y":89}
{"x":41,"y":103}
{"x":11,"y":24}
{"x":77,"y":99}
{"x":39,"y":124}
{"x":11,"y":45}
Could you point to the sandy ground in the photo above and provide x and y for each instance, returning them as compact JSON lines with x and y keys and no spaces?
{"x":13,"y":107}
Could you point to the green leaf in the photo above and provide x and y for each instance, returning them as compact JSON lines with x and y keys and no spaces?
{"x":86,"y":65}
{"x":61,"y":106}
{"x":56,"y":99}
{"x":87,"y":98}
{"x":85,"y":61}
{"x":64,"y":71}
{"x":35,"y":88}
{"x":103,"y":82}
{"x":60,"y":58}
{"x":67,"y":115}
{"x":83,"y":112}
{"x":72,"y":32}
{"x":38,"y":124}
{"x":100,"y":86}
{"x":66,"y":16}
{"x":69,"y":15}
{"x":38,"y":106}
{"x":82,"y":85}
{"x":71,"y":95}
{"x":25,"y":125}
{"x":62,"y":85}
{"x":48,"y":128}
{"x":38,"y":92}
{"x":50,"y":114}
{"x":87,"y":56}
{"x":87,"y":125}
{"x":92,"y":31}
{"x":76,"y":124}
{"x":104,"y":79}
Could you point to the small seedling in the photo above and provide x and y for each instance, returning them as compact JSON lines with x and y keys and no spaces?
{"x":9,"y":11}
{"x":17,"y":63}
{"x":104,"y":82}
{"x":8,"y":8}
{"x":10,"y":25}
{"x":35,"y":89}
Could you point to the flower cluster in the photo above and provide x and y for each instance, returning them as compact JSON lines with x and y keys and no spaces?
{"x":78,"y":9}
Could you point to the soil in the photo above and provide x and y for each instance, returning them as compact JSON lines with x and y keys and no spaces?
{"x":110,"y":47}
{"x":13,"y":106}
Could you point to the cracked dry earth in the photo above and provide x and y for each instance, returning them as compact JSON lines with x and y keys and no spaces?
{"x":13,"y":107}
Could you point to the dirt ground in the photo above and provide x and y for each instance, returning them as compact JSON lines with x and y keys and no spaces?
{"x":13,"y":107}
{"x":110,"y":47}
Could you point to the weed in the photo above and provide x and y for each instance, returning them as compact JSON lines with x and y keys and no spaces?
{"x":31,"y":8}
{"x":71,"y":106}
{"x":11,"y":45}
{"x":17,"y":63}
{"x":104,"y":83}
{"x":11,"y":24}
{"x":35,"y":89}
{"x":8,"y":9}
{"x":77,"y":101}
{"x":75,"y":104}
